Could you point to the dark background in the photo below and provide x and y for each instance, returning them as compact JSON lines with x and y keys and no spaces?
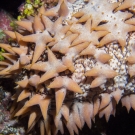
{"x":11,"y":6}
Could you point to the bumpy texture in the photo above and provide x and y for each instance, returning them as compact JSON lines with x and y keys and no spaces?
{"x":72,"y":62}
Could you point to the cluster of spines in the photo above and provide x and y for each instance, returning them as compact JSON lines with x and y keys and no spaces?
{"x":69,"y":40}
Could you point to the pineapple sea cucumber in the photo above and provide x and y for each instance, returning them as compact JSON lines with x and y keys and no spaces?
{"x":72,"y":62}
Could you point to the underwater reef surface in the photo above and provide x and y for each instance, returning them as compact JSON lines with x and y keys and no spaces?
{"x":72,"y":64}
